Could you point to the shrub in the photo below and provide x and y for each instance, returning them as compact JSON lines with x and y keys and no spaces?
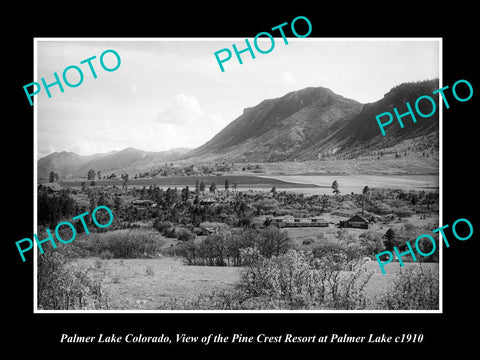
{"x":149,"y":270}
{"x":325,"y":247}
{"x":308,"y":241}
{"x":60,"y":288}
{"x":175,"y":250}
{"x":414,"y":288}
{"x":223,"y":248}
{"x":379,"y":208}
{"x":106,"y":255}
{"x":220,"y":226}
{"x":231,"y":299}
{"x":171,"y":232}
{"x":402,"y":213}
{"x":162,"y":225}
{"x":372,"y":243}
{"x":184,"y":235}
{"x":299,"y":280}
{"x":121,"y":244}
{"x":273,"y":242}
{"x":426,"y":246}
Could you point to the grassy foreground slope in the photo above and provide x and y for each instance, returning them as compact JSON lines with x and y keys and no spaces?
{"x":156,"y":284}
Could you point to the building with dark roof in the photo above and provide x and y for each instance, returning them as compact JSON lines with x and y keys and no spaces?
{"x":356,"y":222}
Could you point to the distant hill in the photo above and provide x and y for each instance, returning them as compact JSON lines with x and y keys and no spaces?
{"x":69,"y":164}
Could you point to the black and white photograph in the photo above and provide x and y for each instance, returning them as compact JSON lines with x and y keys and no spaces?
{"x":279,"y":179}
{"x":267,"y":186}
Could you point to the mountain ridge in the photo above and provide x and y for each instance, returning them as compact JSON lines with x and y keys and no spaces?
{"x":306,"y":124}
{"x":70,"y":164}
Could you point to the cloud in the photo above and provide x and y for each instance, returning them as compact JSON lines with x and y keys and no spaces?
{"x":85,"y":147}
{"x":44,"y":151}
{"x":185,"y":109}
{"x":287,"y":78}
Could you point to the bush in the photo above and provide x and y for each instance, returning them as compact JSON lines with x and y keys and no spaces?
{"x":219,"y":225}
{"x":175,"y":250}
{"x":325,"y":247}
{"x":106,"y":255}
{"x":232,"y":299}
{"x":120,"y":244}
{"x":371,"y":242}
{"x":426,"y":246}
{"x":298,"y":280}
{"x":403,"y":213}
{"x":149,"y":270}
{"x":273,"y":242}
{"x":60,"y":288}
{"x":162,"y":226}
{"x":223,"y":248}
{"x":380,"y":208}
{"x":414,"y":288}
{"x":184,"y":235}
{"x":308,"y":241}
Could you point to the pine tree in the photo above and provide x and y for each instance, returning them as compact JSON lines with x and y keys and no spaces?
{"x":213,"y":187}
{"x":389,"y":239}
{"x":125,"y":181}
{"x":185,"y":193}
{"x":335,"y":187}
{"x":102,"y":200}
{"x":117,"y":202}
{"x":324,"y":202}
{"x":91,"y":174}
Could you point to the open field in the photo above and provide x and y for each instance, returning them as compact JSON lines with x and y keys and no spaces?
{"x":132,"y":287}
{"x":310,"y":184}
{"x":182,"y":181}
{"x":355,"y":183}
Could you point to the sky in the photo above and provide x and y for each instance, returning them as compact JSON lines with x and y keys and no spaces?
{"x":171,"y":93}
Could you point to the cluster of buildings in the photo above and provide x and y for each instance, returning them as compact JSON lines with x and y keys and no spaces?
{"x":287,"y":221}
{"x":356,"y":221}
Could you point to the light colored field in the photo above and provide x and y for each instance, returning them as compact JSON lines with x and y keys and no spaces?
{"x":130,"y":287}
{"x":356,"y":183}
